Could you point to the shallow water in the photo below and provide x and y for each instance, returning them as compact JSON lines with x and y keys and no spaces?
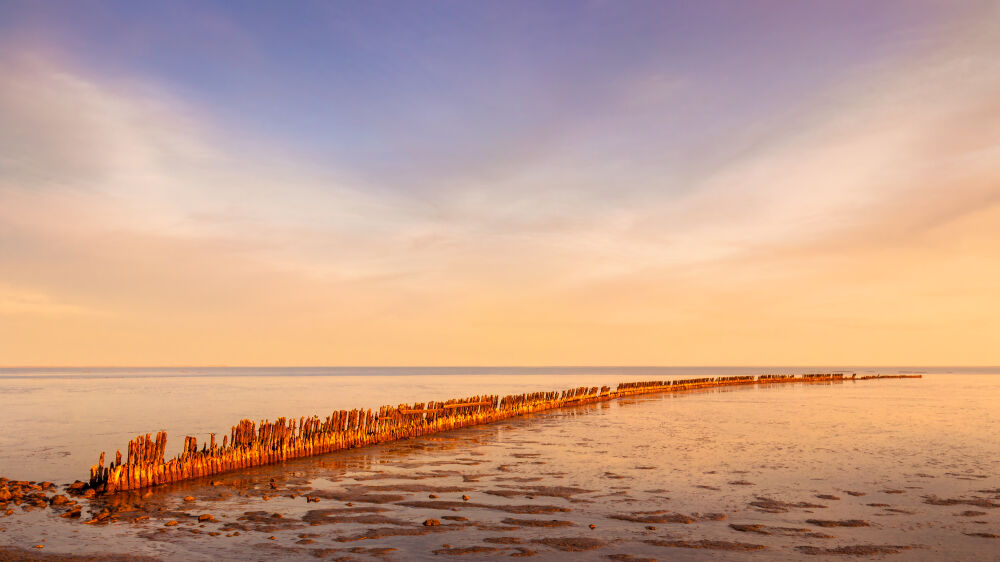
{"x":901,"y":443}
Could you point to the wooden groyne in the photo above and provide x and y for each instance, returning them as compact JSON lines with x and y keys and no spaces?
{"x":268,"y":442}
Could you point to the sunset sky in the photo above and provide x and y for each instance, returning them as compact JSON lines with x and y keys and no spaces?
{"x":500,"y":183}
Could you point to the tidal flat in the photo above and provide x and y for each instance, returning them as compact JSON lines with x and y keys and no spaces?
{"x":889,"y":469}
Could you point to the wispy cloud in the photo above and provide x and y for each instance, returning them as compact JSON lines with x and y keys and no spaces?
{"x":608,"y":240}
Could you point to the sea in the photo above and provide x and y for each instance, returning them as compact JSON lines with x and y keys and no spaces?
{"x":907,"y":468}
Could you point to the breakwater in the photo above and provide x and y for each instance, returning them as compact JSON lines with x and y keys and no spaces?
{"x":252,"y":444}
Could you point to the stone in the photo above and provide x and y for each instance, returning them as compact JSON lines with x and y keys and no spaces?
{"x":59,"y":499}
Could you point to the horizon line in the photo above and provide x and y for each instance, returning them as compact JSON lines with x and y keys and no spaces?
{"x":426,"y":366}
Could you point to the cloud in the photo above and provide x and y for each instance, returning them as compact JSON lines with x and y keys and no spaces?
{"x":863,"y":224}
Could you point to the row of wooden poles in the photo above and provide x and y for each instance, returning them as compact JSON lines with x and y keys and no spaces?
{"x":249,"y":444}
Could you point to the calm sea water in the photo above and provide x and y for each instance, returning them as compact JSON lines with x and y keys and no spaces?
{"x":56,"y":421}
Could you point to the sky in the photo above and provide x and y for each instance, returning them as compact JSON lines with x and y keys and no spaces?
{"x":500,"y":183}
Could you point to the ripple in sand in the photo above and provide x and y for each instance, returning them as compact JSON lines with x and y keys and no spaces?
{"x":840,"y":523}
{"x":660,"y":516}
{"x":502,"y":540}
{"x":537,"y":522}
{"x":336,"y":516}
{"x":521,"y":509}
{"x":571,"y":544}
{"x":708,"y":544}
{"x":547,"y":491}
{"x":854,"y":550}
{"x":770,"y":505}
{"x":781,"y":531}
{"x":460,"y":551}
{"x":382,"y":532}
{"x":975,"y":502}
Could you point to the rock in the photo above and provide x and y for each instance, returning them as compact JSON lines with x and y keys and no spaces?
{"x":77,"y":486}
{"x":432,"y":522}
{"x":205,"y":517}
{"x":170,"y":524}
{"x":5,"y":494}
{"x":592,"y":526}
{"x":189,"y":498}
{"x":432,"y":496}
{"x":465,"y":498}
{"x":59,"y":499}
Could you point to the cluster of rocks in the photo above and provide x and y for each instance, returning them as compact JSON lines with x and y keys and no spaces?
{"x":29,"y":495}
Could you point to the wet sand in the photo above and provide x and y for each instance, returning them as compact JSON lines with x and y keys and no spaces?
{"x":840,"y":471}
